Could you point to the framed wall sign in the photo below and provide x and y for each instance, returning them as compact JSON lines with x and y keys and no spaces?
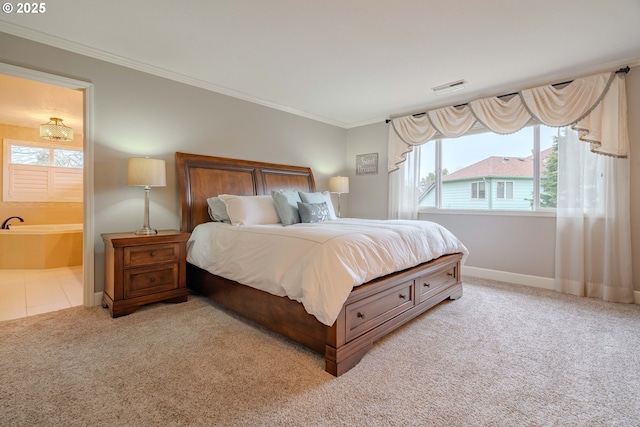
{"x":367,"y":164}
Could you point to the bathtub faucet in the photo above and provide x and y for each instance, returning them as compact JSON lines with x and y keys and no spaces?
{"x":5,"y":224}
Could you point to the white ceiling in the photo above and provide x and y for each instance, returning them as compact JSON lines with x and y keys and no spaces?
{"x":347,"y":62}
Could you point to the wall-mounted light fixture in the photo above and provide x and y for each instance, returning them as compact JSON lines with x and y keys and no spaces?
{"x":55,"y":130}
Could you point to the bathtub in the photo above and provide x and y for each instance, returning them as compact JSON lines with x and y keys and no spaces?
{"x":41,"y":246}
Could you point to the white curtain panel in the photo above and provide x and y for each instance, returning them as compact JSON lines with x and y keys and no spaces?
{"x":593,"y":230}
{"x":403,"y":185}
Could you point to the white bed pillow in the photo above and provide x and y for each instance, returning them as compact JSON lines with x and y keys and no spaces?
{"x":250,"y":210}
{"x":327,"y":198}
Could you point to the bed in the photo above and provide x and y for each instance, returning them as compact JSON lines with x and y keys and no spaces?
{"x":370,"y":311}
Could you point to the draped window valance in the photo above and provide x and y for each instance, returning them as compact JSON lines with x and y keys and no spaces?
{"x":595,"y":106}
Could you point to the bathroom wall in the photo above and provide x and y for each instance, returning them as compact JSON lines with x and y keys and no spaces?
{"x":37,"y":212}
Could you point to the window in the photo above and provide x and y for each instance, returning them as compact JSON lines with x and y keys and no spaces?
{"x":504,"y":190}
{"x":41,"y":172}
{"x":487,"y":171}
{"x":478,"y":190}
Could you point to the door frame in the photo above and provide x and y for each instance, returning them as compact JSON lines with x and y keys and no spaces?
{"x":89,"y":297}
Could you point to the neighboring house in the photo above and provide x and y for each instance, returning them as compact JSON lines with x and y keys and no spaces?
{"x":492,"y":183}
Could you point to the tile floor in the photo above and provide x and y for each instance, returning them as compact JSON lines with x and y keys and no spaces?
{"x":28,"y":292}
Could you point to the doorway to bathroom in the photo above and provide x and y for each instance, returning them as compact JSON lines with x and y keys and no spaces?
{"x":46,"y":253}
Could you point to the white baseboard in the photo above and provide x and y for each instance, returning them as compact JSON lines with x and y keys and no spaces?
{"x":97,"y":298}
{"x":505,"y":276}
{"x":519,"y":279}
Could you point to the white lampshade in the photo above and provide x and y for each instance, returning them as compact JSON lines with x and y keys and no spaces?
{"x":339,"y":184}
{"x":146,"y":172}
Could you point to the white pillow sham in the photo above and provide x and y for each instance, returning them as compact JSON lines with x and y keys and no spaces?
{"x":327,"y":198}
{"x":250,"y":210}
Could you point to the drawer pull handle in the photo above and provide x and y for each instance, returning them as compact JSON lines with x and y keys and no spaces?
{"x":360,"y":315}
{"x":426,"y":285}
{"x":153,"y":253}
{"x":152,"y":280}
{"x":449,"y":274}
{"x":402,"y":296}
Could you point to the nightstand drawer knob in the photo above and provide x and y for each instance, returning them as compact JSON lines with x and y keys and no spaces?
{"x":152,"y":280}
{"x":153,"y":253}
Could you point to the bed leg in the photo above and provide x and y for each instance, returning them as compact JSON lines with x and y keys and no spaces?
{"x":337,"y":363}
{"x":456,"y":293}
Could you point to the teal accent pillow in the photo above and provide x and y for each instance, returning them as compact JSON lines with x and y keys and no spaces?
{"x":314,"y":212}
{"x":316,"y":197}
{"x":286,"y":203}
{"x":319,"y":197}
{"x":218,"y":210}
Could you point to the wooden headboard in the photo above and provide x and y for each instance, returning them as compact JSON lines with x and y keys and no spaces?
{"x":201,"y":177}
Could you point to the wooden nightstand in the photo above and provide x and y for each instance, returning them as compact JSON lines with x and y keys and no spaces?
{"x":144,"y":269}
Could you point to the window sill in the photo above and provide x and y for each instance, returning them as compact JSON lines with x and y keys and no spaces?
{"x":495,"y":212}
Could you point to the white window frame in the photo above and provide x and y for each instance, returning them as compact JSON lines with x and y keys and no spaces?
{"x":506,"y":192}
{"x":477,"y":185}
{"x":54,"y":180}
{"x":536,"y":211}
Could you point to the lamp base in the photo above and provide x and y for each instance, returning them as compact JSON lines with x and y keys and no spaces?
{"x":146,"y":231}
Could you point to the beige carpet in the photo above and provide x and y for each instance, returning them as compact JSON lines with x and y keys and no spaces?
{"x":503,"y":355}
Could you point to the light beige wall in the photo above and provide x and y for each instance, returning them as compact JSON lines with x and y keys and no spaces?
{"x":515,"y":244}
{"x":368,"y":193}
{"x":36,"y":212}
{"x":138,"y":114}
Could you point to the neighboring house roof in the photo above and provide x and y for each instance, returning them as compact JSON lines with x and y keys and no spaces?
{"x":499,"y":166}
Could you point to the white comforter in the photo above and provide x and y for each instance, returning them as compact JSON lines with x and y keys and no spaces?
{"x":317,"y":264}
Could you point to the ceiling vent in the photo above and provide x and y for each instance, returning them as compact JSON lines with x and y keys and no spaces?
{"x":449,"y":87}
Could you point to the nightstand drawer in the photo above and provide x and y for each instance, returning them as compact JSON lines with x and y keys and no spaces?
{"x":151,"y":254}
{"x":150,"y":280}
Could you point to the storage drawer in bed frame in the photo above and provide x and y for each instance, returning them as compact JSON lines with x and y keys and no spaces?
{"x":366,"y":314}
{"x":380,"y":306}
{"x":370,"y":310}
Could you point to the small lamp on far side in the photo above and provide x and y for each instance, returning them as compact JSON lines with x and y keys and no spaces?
{"x":147,"y":173}
{"x":340,"y":185}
